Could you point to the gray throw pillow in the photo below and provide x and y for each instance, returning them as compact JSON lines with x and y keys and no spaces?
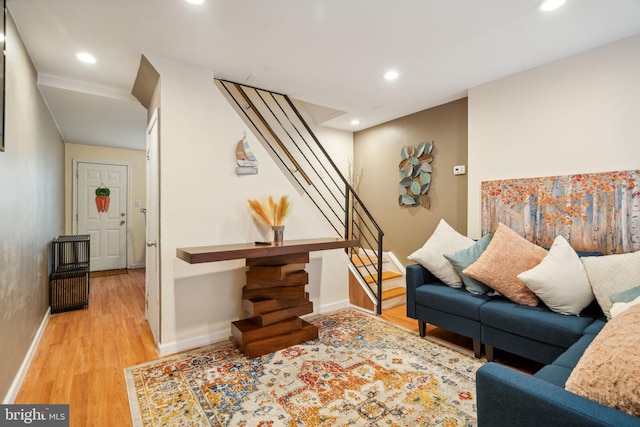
{"x":464,"y":258}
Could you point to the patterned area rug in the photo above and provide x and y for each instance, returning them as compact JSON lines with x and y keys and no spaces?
{"x":361,"y":371}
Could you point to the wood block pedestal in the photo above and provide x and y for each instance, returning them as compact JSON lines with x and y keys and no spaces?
{"x":274,"y":297}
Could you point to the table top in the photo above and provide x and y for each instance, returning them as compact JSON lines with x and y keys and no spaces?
{"x":201,"y":254}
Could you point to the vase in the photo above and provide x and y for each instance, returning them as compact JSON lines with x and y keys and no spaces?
{"x":278,"y":232}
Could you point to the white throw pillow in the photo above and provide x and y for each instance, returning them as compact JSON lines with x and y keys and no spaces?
{"x":560,"y":280}
{"x":444,"y":240}
{"x":610,"y":274}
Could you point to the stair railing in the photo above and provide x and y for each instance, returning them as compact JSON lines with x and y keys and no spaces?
{"x":280,"y":125}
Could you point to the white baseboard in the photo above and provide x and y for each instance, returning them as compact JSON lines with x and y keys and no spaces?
{"x":165,"y":349}
{"x":194,"y":342}
{"x":141,"y":265}
{"x":24,"y":367}
{"x":326,"y":308}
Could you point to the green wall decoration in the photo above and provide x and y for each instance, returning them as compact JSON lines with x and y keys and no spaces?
{"x":415,"y":175}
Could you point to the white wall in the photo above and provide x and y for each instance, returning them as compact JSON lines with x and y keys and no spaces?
{"x":204,"y":202}
{"x":577,"y":115}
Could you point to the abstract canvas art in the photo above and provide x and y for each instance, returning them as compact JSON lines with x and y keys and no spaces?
{"x":594,"y":211}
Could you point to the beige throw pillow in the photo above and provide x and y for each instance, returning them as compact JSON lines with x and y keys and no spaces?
{"x":444,"y":240}
{"x":609,"y":369}
{"x":507,"y":255}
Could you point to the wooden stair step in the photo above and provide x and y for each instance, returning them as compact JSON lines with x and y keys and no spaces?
{"x":361,"y":260}
{"x":392,"y":293}
{"x":386,"y":275}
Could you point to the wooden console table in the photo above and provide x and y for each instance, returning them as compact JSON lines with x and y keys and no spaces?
{"x":274,"y":296}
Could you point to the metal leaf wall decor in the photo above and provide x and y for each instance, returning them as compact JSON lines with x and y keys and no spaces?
{"x":415,"y":175}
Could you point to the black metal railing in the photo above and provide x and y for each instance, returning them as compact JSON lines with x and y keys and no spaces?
{"x":280,"y":125}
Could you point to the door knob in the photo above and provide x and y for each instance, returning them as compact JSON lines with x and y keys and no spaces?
{"x":122,"y":222}
{"x":151,"y":243}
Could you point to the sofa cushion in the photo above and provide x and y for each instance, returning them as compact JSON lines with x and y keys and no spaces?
{"x":443,"y":240}
{"x":535,"y":323}
{"x":610,"y":274}
{"x":560,"y":280}
{"x":464,"y":258}
{"x":609,"y":369}
{"x":595,"y":327}
{"x":450,"y":300}
{"x":507,"y":255}
{"x":554,"y":374}
{"x":569,"y":359}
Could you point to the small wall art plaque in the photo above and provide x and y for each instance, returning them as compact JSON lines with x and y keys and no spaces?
{"x":246,"y":161}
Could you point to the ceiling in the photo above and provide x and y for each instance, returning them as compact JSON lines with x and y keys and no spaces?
{"x":330,"y":53}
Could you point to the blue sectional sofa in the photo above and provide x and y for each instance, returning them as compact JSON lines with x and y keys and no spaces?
{"x":535,"y":333}
{"x":505,"y":396}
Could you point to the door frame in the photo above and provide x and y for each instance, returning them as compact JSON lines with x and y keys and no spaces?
{"x":154,"y":324}
{"x":74,"y":191}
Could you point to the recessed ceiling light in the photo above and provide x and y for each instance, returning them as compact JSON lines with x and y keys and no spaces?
{"x":549,"y":5}
{"x":195,"y":1}
{"x":355,"y":122}
{"x":391,"y":75}
{"x":86,"y":57}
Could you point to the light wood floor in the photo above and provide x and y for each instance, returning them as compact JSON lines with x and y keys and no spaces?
{"x":82,"y":355}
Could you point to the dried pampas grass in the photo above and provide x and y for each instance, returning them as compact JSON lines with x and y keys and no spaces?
{"x":269,"y":211}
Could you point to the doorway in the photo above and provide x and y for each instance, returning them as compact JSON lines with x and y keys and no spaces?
{"x":107,"y":227}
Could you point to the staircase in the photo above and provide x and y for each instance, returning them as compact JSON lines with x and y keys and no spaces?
{"x":277,"y":122}
{"x":363,"y":286}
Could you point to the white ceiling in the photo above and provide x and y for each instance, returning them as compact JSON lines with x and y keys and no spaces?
{"x":332,"y":53}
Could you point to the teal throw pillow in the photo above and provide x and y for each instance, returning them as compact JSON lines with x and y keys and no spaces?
{"x":464,"y":258}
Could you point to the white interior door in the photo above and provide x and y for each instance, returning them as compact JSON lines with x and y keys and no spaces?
{"x":107,"y":230}
{"x":152,"y":261}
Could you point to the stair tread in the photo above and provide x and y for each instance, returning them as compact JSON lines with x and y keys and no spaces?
{"x":363,"y":260}
{"x":393,"y":292}
{"x":386,"y":275}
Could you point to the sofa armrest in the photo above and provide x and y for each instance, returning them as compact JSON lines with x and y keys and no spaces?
{"x":508,"y":398}
{"x":416,"y":276}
